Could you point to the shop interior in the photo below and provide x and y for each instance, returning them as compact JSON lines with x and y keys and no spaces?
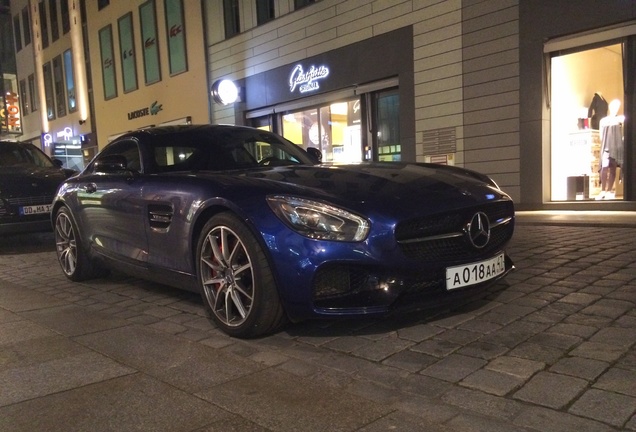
{"x":587,"y":119}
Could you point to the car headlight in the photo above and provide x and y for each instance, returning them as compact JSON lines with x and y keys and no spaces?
{"x":317,"y":220}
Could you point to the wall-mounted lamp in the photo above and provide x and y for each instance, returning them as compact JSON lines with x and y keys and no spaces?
{"x":225,"y":92}
{"x":81,"y":122}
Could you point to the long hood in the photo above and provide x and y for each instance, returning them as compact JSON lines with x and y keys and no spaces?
{"x":17,"y":181}
{"x":381,"y":185}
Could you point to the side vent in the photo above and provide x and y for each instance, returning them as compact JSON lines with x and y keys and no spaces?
{"x":159,"y":216}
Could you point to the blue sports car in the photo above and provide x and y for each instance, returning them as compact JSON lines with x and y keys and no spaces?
{"x":267,"y":233}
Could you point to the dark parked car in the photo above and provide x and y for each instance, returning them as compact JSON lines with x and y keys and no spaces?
{"x":266,"y":233}
{"x":28,"y":182}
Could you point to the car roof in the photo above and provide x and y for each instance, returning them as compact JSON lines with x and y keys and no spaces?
{"x":177,"y":129}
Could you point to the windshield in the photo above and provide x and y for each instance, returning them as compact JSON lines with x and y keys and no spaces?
{"x":227,"y":149}
{"x":13,"y":155}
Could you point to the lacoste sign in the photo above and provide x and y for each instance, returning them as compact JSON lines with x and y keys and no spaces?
{"x":153,"y":109}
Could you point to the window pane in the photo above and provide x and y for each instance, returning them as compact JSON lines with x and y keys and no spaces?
{"x":101,"y":4}
{"x":55,"y":32}
{"x":175,"y":27}
{"x":70,"y":81}
{"x":26,"y":23}
{"x":58,"y":81}
{"x":33,"y":93}
{"x":48,"y":91}
{"x":388,"y":126}
{"x":66,"y":23}
{"x":302,"y":3}
{"x":264,"y":11}
{"x":16,"y":33}
{"x":23,"y":97}
{"x":231,"y":18}
{"x":44,"y":24}
{"x":152,"y":71}
{"x":126,"y":44}
{"x":108,"y":62}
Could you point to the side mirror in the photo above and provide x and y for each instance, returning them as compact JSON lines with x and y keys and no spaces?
{"x":58,"y":163}
{"x":315,"y":154}
{"x":111,"y":164}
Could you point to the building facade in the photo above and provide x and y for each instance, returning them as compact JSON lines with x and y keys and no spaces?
{"x":531,"y":93}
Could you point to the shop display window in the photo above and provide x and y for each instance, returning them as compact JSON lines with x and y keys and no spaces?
{"x":334,"y":129}
{"x":587,"y":124}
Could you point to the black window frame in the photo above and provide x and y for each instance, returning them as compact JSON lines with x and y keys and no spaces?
{"x":231,"y":18}
{"x":55,"y":25}
{"x":26,"y":26}
{"x":44,"y":24}
{"x":17,"y":34}
{"x":265,"y":11}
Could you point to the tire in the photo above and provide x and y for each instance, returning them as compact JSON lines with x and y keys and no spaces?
{"x":71,"y":253}
{"x":235,"y":279}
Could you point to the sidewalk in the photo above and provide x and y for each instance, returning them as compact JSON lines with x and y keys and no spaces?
{"x":551,"y":349}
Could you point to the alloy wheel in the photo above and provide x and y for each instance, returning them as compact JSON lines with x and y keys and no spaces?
{"x":65,"y":244}
{"x":227,"y":276}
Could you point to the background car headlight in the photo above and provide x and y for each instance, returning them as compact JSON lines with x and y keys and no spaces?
{"x":318,"y":220}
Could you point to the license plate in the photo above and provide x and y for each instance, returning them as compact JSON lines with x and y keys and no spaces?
{"x":35,"y":209}
{"x":471,"y":274}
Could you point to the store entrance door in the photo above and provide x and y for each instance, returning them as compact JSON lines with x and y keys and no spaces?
{"x":334,"y":129}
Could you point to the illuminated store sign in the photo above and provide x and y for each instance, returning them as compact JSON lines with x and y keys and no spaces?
{"x":153,"y":109}
{"x":307,"y":81}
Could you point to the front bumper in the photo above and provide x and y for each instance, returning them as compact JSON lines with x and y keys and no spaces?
{"x":354,"y":290}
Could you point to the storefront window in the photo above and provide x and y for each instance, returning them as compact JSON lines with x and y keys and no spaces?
{"x":587,"y":124}
{"x":48,"y":91}
{"x":108,"y":62}
{"x":175,"y":28}
{"x":334,"y":129}
{"x":58,"y":81}
{"x":127,"y":47}
{"x":387,"y":132}
{"x":148,"y":19}
{"x":70,"y":81}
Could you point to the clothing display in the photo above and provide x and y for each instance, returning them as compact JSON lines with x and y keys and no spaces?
{"x":597,"y":110}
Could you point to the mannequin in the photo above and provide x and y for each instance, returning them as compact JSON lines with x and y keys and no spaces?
{"x":611,"y":149}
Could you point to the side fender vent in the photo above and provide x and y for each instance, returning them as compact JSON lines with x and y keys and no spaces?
{"x":160,"y":216}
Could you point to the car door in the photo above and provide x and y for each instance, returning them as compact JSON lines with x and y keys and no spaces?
{"x":111,"y":210}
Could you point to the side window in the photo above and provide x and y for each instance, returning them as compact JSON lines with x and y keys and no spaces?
{"x":127,"y":149}
{"x":169,"y":158}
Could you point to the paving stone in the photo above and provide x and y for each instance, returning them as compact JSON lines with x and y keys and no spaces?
{"x":483,"y":350}
{"x":580,"y":298}
{"x":563,"y":342}
{"x":515,"y":366}
{"x":436,"y":348}
{"x":608,"y":308}
{"x":551,"y":390}
{"x":547,"y":420}
{"x":419,"y":332}
{"x":573,"y":330}
{"x":454,"y":368}
{"x":129,"y":403}
{"x":285,"y":402}
{"x":622,"y":337}
{"x":400,"y":421}
{"x":483,"y":403}
{"x":380,"y":350}
{"x":619,"y":381}
{"x":347,"y":343}
{"x":536,"y":352}
{"x":465,"y":422}
{"x":608,"y":407}
{"x":588,"y":369}
{"x":598,"y":351}
{"x":461,"y":337}
{"x":492,"y":382}
{"x":410,"y":360}
{"x":479,"y":326}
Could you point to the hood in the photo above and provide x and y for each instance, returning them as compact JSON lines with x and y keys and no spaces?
{"x":383,"y":185}
{"x":29,"y":181}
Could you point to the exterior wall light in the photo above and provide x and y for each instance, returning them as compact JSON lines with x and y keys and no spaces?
{"x":225,"y":92}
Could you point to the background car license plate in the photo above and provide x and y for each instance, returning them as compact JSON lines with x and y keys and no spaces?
{"x":35,"y":209}
{"x":471,"y":274}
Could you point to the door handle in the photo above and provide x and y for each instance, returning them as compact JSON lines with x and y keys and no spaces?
{"x":91,"y":187}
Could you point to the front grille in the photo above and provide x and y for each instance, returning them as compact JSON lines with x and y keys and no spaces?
{"x":458,"y":247}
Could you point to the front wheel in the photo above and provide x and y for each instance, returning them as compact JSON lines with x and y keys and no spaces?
{"x":235,"y":279}
{"x":73,"y":259}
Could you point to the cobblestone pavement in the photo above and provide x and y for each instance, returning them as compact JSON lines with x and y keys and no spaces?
{"x":553,"y":348}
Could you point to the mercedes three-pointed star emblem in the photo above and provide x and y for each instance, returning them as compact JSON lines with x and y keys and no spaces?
{"x":478,"y":230}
